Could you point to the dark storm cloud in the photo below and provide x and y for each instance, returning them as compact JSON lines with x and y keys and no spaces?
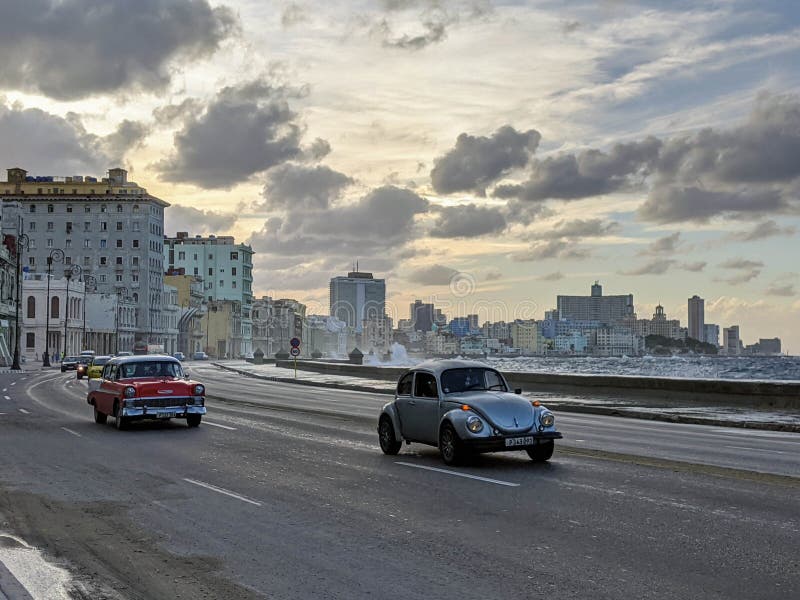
{"x":657,"y":266}
{"x":432,"y":275}
{"x":663,"y":245}
{"x":762,"y":231}
{"x":675,"y":204}
{"x":748,"y":270}
{"x":44,"y":143}
{"x":381,"y":222}
{"x":70,"y":49}
{"x":476,"y":162}
{"x":551,"y":249}
{"x":434,"y":31}
{"x":555,"y":276}
{"x":467,"y":221}
{"x":581,"y":228}
{"x":194,"y":220}
{"x":299,"y":187}
{"x":244,"y":130}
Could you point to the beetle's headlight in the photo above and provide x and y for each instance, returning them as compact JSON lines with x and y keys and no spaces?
{"x":199,"y":390}
{"x":130,"y":391}
{"x":474,"y":424}
{"x":548,"y":419}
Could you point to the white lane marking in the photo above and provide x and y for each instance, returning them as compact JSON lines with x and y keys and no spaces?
{"x":13,"y":383}
{"x":220,"y":490}
{"x":457,"y":474}
{"x":75,"y":433}
{"x":7,"y":397}
{"x":5,"y":389}
{"x":23,"y":411}
{"x":218,"y":425}
{"x":2,"y":414}
{"x":756,"y":449}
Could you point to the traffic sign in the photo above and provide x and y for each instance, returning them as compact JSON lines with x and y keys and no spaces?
{"x":295,"y":343}
{"x":295,"y":351}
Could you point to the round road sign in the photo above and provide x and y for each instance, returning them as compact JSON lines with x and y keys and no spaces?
{"x":294,"y":343}
{"x":295,"y":351}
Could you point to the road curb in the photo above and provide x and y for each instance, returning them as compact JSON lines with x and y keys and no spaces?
{"x":615,"y":411}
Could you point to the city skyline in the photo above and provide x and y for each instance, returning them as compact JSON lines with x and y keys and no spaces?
{"x":413,"y":137}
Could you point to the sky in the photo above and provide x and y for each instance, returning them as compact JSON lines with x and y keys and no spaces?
{"x":485,"y":155}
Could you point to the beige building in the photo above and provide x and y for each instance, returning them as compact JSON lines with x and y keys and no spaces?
{"x":527,"y":336}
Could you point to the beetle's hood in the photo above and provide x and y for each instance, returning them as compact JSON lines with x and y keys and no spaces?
{"x":509,"y":412}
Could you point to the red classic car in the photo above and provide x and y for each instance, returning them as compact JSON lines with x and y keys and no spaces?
{"x":146,"y":387}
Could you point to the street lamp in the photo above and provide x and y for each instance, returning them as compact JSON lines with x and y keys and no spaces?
{"x":122,"y":292}
{"x":56,"y":255}
{"x":87,"y":281}
{"x":22,"y":244}
{"x":69,"y":273}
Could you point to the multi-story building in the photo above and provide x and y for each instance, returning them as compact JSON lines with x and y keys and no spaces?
{"x":324,"y":334}
{"x":8,"y":299}
{"x":226,"y":270}
{"x":376,"y":336}
{"x":697,"y":316}
{"x":616,"y":341}
{"x":571,"y":343}
{"x":526,"y":336}
{"x":596,"y":307}
{"x":111,"y":228}
{"x":731,"y":342}
{"x":190,"y":299}
{"x":765,"y":347}
{"x":171,"y":316}
{"x":357,"y":298}
{"x":711,"y":334}
{"x":499,"y":330}
{"x":658,"y":325}
{"x":422,"y":315}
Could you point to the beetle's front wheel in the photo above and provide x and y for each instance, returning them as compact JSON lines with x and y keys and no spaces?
{"x":450,"y":446}
{"x":389,"y":443}
{"x":541,"y":452}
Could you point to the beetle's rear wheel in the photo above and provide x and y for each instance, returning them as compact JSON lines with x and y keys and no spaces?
{"x":99,"y":418}
{"x":389,"y":443}
{"x":541,"y":452}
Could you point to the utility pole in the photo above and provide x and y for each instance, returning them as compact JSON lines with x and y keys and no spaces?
{"x":56,"y":255}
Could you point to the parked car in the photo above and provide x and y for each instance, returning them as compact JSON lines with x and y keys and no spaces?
{"x":200,"y":356}
{"x":464,"y":407}
{"x":146,"y":387}
{"x":180,"y":356}
{"x":70,"y":363}
{"x":95,"y":367}
{"x":83,"y":365}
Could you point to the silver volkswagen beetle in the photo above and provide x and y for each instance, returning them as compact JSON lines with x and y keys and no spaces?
{"x":464,"y":407}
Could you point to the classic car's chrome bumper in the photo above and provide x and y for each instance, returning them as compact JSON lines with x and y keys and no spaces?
{"x":159,"y":407}
{"x":498,"y":443}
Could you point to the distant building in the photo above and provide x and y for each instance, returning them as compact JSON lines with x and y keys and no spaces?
{"x":526,"y":336}
{"x":605,"y":309}
{"x":356,"y":298}
{"x":658,"y":325}
{"x":571,"y":343}
{"x":731,"y":343}
{"x":616,"y":341}
{"x":712,"y":334}
{"x":765,"y":347}
{"x":422,"y":315}
{"x":697,"y":318}
{"x":324,"y":334}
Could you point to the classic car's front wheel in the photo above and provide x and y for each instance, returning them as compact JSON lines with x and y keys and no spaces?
{"x":99,"y":418}
{"x":450,"y":446}
{"x":193,"y":420}
{"x":120,"y":421}
{"x":389,"y":443}
{"x":541,"y":452}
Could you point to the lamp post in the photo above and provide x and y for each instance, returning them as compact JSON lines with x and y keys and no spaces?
{"x":22,"y":244}
{"x":122,"y":292}
{"x":56,"y":255}
{"x":87,"y":281}
{"x":69,"y":273}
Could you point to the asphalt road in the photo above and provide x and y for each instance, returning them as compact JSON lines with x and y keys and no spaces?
{"x":283,"y":493}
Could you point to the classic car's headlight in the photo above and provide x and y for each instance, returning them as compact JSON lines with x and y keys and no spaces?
{"x":199,"y":390}
{"x":130,"y":391}
{"x":548,"y":419}
{"x":474,"y":424}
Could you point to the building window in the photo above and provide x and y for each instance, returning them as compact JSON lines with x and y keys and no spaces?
{"x":32,"y":208}
{"x":135,"y":297}
{"x":233,"y":271}
{"x":32,"y":261}
{"x":102,"y":278}
{"x":103,"y":261}
{"x":119,"y":208}
{"x":233,"y":284}
{"x":68,"y":243}
{"x":87,"y":208}
{"x":103,"y":226}
{"x":50,"y":208}
{"x":32,"y":226}
{"x":135,"y":243}
{"x":87,"y":261}
{"x":87,"y":243}
{"x":136,"y":208}
{"x":181,"y":255}
{"x":69,"y":206}
{"x":234,"y":256}
{"x":136,"y":226}
{"x":195,"y":256}
{"x":119,"y":225}
{"x":87,"y":226}
{"x":103,"y":243}
{"x":210,"y":271}
{"x":67,"y":260}
{"x":50,"y":243}
{"x":69,"y":226}
{"x":32,"y":244}
{"x":119,"y":278}
{"x":31,"y":307}
{"x":49,"y":226}
{"x":103,"y":208}
{"x":30,"y":340}
{"x":221,"y":283}
{"x":55,"y":307}
{"x":119,"y":260}
{"x":196,"y":271}
{"x":119,"y":243}
{"x":135,"y":261}
{"x":135,"y":278}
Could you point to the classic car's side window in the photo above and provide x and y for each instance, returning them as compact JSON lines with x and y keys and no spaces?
{"x":404,"y":385}
{"x":425,"y":386}
{"x":106,"y":372}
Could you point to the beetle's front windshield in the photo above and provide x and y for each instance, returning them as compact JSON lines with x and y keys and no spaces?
{"x":149,"y":369}
{"x":455,"y":381}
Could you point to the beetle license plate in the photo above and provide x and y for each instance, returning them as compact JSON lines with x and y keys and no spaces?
{"x":519,"y":441}
{"x":165,"y":414}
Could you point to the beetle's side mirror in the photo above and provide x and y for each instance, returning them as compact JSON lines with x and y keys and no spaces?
{"x":518,"y":391}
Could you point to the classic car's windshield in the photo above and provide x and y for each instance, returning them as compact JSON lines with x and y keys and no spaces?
{"x":150,"y":369}
{"x":455,"y":381}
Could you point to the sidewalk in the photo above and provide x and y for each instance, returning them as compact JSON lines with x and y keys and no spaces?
{"x":640,"y":408}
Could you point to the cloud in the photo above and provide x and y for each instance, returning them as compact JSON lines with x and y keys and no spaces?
{"x":467,"y":221}
{"x":476,"y":162}
{"x":657,"y":266}
{"x":673,"y":204}
{"x":44,"y":143}
{"x":293,"y":14}
{"x":741,"y":263}
{"x":381,"y":222}
{"x":196,"y":221}
{"x":761,"y":231}
{"x":555,"y":276}
{"x":742,"y":277}
{"x":581,"y":228}
{"x":71,"y":49}
{"x":748,"y":270}
{"x":432,"y":275}
{"x":777,"y":289}
{"x":433,"y":32}
{"x":551,"y":249}
{"x":663,"y":245}
{"x":694,"y":267}
{"x":299,"y":187}
{"x":246,"y":129}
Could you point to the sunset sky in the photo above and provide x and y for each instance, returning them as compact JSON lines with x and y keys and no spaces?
{"x":487,"y":154}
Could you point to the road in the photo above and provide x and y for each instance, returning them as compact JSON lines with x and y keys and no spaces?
{"x":283,"y":493}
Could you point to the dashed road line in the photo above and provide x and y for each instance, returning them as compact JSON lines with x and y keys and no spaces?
{"x":13,"y":383}
{"x":459,"y":474}
{"x":218,"y":425}
{"x":7,"y":397}
{"x":220,"y":490}
{"x":75,"y":433}
{"x":756,"y":449}
{"x":23,"y":411}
